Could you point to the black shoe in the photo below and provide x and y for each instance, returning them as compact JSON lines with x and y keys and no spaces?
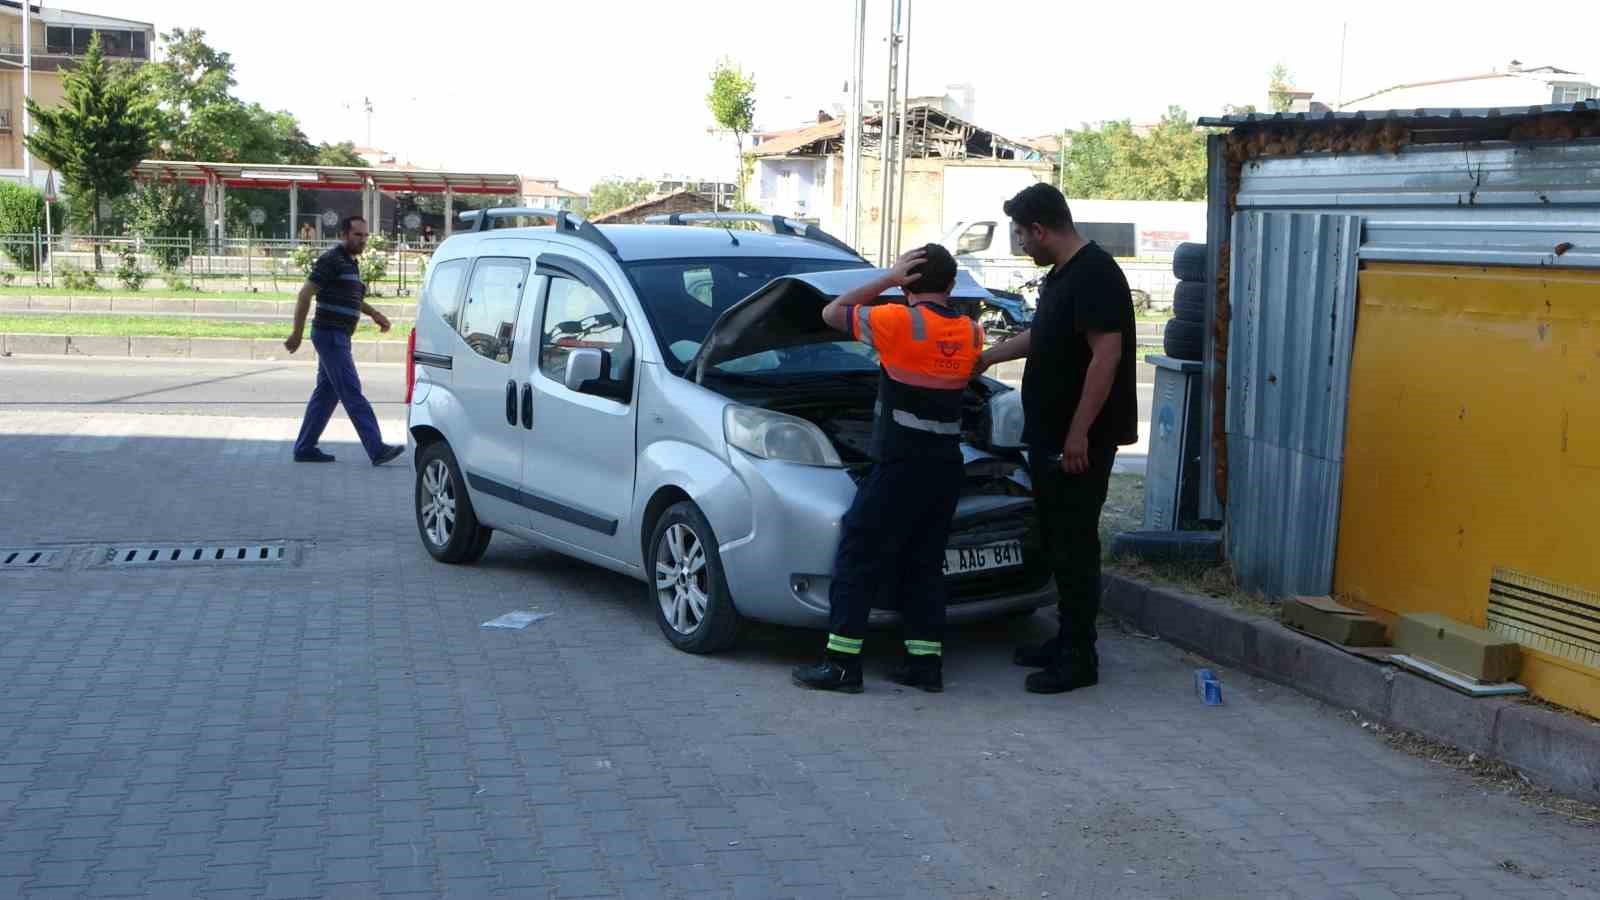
{"x":389,"y":453}
{"x":830,"y":675}
{"x":925,"y":672}
{"x":1037,"y":656}
{"x":313,"y":455}
{"x":1067,"y":675}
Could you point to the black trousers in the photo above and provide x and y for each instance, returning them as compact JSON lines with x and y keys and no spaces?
{"x":891,"y":548}
{"x":1068,"y":507}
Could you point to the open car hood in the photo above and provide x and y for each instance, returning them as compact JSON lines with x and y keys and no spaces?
{"x":787,"y":312}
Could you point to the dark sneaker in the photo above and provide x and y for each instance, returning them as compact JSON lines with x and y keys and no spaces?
{"x":313,"y":455}
{"x":1037,"y":656}
{"x":830,"y":675}
{"x":1064,"y":676}
{"x":925,"y":672}
{"x":389,"y":454}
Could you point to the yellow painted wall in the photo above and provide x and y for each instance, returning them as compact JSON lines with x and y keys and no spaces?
{"x":1474,"y":442}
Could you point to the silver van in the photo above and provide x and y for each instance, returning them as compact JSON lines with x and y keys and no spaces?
{"x":664,"y":401}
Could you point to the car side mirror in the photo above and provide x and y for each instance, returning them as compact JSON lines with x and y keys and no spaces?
{"x":586,"y":368}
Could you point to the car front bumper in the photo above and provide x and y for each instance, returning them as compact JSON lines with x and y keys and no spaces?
{"x":782,"y":572}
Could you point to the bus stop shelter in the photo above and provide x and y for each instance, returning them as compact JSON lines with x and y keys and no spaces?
{"x":216,"y":178}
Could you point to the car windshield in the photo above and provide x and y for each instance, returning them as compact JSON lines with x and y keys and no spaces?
{"x":684,"y":297}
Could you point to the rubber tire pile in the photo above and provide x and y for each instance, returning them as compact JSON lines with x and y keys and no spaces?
{"x":1186,"y":331}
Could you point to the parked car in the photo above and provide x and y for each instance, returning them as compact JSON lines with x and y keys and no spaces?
{"x":664,"y":401}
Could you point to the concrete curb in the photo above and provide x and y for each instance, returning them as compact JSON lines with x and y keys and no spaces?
{"x":1551,"y":748}
{"x":185,"y":348}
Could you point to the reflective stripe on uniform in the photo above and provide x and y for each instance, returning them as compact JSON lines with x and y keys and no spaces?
{"x":907,"y":420}
{"x":839,"y":644}
{"x":925,"y":648}
{"x":864,"y":324}
{"x":919,"y":326}
{"x":336,"y":309}
{"x":977,"y":336}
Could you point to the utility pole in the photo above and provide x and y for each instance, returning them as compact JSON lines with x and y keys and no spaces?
{"x":887,"y":135}
{"x":27,"y":88}
{"x":900,"y":144}
{"x":852,"y":130}
{"x":367,"y":103}
{"x":1344,"y":36}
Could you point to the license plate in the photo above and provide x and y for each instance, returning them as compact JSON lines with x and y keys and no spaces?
{"x":964,"y":560}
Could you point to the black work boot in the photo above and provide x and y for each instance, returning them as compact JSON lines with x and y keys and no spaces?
{"x":925,"y":672}
{"x":836,"y":672}
{"x":1075,"y":668}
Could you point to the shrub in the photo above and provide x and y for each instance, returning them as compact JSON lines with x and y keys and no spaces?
{"x":166,"y":215}
{"x":75,"y":279}
{"x":375,"y":262}
{"x":21,"y":212}
{"x":129,"y":273}
{"x":304,"y":256}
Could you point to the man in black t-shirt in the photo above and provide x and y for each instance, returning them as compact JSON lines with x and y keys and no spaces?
{"x":1079,"y":405}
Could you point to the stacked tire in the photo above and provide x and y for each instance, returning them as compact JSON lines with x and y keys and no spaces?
{"x":1185,"y":337}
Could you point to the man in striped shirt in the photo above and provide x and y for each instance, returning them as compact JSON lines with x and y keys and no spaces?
{"x":335,"y":282}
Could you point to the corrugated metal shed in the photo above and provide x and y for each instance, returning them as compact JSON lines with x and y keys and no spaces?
{"x":1505,"y":204}
{"x":1293,"y":326}
{"x":1409,"y":116}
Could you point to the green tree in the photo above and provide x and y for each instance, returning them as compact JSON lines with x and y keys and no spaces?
{"x":1117,"y":162}
{"x":98,"y":134}
{"x":166,"y":210}
{"x":1279,"y":83}
{"x":732,"y":101}
{"x":21,"y":212}
{"x":614,"y":193}
{"x":342,"y":154}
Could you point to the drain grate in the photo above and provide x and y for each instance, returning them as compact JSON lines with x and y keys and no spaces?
{"x":1559,"y":619}
{"x":196,"y":555}
{"x":33,"y":558}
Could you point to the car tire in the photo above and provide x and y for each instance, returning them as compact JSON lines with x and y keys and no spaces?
{"x":445,"y":521}
{"x":1169,"y":546}
{"x":1189,"y":262}
{"x":1189,"y":301}
{"x":686,"y":584}
{"x":1184,"y":339}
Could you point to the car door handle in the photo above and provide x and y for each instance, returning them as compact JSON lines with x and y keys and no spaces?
{"x":527,"y":406}
{"x":511,"y":403}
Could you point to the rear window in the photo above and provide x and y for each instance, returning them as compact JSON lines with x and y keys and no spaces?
{"x":443,"y":293}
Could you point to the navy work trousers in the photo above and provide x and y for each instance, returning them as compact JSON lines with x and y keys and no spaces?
{"x":337,"y":382}
{"x":892,"y":545}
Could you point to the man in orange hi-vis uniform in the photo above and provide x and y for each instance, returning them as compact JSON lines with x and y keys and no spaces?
{"x":896,"y":528}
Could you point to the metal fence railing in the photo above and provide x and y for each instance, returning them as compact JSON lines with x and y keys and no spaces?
{"x":168,"y":263}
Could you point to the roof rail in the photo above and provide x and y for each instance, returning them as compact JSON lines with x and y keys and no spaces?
{"x":565,"y":222}
{"x":779,"y":225}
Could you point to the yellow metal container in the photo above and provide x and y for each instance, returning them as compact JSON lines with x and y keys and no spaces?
{"x":1472,"y":460}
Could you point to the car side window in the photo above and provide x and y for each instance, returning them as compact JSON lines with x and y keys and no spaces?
{"x":443,"y":293}
{"x":576,"y":316}
{"x":976,"y":239}
{"x":489,"y":315}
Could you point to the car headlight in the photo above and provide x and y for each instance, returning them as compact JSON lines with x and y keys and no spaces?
{"x":1005,"y":421}
{"x":773,"y":435}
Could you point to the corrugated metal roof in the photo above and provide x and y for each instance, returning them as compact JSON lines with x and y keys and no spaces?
{"x":1293,"y":290}
{"x":422,"y":181}
{"x":1384,"y":115}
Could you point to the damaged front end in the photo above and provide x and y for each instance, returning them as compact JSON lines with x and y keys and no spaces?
{"x":772,"y":354}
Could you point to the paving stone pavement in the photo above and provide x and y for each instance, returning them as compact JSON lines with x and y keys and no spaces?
{"x":343,"y":726}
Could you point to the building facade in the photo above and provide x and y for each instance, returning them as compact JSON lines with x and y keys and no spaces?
{"x":58,"y":39}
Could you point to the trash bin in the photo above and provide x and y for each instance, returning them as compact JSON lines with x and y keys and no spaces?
{"x":1171,"y":483}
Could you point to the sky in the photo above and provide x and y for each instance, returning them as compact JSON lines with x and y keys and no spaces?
{"x":583,"y":90}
